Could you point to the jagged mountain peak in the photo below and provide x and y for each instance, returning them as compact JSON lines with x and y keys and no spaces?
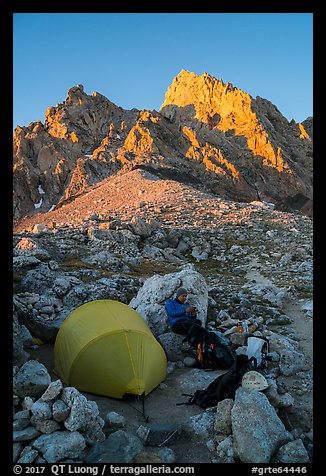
{"x":206,"y":131}
{"x":189,"y":76}
{"x":188,"y":88}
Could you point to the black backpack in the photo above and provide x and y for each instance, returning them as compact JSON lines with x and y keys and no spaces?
{"x":224,"y":386}
{"x":213,"y":353}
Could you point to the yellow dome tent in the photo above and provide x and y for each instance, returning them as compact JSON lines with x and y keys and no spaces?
{"x":105,"y":347}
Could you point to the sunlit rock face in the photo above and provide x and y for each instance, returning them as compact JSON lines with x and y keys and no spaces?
{"x":207,"y":133}
{"x":257,"y":143}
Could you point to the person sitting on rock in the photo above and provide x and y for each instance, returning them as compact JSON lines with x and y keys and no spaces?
{"x":182,"y":318}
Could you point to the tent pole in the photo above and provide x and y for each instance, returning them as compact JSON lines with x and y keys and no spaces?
{"x":143,"y":399}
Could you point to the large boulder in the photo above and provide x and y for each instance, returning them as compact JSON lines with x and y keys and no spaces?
{"x":32,"y":380}
{"x":119,"y":447}
{"x":60,"y":445}
{"x":151,"y":298}
{"x":172,"y":345}
{"x":257,"y":430}
{"x":291,"y":361}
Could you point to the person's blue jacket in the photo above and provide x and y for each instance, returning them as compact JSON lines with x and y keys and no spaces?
{"x":176,"y":311}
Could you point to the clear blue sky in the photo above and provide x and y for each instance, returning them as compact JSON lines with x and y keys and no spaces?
{"x":132,"y":58}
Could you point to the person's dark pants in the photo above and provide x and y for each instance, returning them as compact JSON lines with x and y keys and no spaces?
{"x":190,"y":328}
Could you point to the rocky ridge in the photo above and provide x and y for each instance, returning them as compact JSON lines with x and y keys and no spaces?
{"x":207,"y":133}
{"x":136,"y":237}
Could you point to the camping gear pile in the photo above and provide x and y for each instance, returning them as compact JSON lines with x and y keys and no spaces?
{"x":244,"y":370}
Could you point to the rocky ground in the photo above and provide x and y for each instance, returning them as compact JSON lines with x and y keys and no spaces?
{"x":160,"y":408}
{"x":256,"y":262}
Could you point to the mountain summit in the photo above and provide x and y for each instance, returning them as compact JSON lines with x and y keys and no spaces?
{"x":207,"y":133}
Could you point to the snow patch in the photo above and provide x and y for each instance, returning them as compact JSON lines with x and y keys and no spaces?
{"x":269,"y":204}
{"x":38,"y":204}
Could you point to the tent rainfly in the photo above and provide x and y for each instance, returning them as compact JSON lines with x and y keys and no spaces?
{"x":106,"y":348}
